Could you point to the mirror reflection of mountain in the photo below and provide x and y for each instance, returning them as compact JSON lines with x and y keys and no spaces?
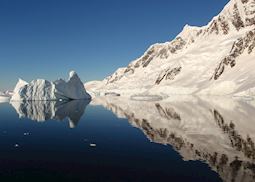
{"x":220,"y":132}
{"x":57,"y":110}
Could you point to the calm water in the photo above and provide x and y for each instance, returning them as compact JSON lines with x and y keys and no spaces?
{"x":113,"y":139}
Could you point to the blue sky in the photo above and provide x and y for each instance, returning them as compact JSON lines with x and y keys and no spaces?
{"x":47,"y":38}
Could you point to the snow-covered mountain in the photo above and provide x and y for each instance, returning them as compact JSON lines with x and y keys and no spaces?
{"x":216,"y":59}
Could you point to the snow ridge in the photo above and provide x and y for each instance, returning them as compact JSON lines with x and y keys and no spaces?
{"x":187,"y":64}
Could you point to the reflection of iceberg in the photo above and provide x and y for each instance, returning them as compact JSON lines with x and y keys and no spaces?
{"x":56,"y":110}
{"x":218,"y":132}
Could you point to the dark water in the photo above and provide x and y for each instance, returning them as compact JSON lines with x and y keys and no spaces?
{"x":52,"y":142}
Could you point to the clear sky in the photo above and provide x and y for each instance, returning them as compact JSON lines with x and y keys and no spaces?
{"x":47,"y":38}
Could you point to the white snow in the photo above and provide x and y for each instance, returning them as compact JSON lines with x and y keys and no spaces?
{"x":41,"y":89}
{"x":21,"y":83}
{"x":205,"y":48}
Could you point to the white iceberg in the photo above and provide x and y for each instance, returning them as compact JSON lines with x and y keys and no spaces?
{"x":21,"y":83}
{"x":41,"y":89}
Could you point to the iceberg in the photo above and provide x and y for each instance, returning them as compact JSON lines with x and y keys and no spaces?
{"x":43,"y":90}
{"x":21,"y":83}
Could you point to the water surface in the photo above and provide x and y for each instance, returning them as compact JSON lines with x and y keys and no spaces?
{"x":117,"y":139}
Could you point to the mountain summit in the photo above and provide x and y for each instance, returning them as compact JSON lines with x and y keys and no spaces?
{"x":216,"y":59}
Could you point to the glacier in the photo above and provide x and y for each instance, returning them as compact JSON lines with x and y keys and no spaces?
{"x":44,"y":90}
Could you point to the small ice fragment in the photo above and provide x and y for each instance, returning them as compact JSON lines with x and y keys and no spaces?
{"x":92,"y":145}
{"x":16,"y":145}
{"x":26,"y":134}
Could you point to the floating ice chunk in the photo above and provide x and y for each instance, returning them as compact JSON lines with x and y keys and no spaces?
{"x":146,"y":97}
{"x":92,"y":145}
{"x":4,"y":98}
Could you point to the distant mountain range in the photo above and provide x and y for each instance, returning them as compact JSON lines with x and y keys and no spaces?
{"x":216,"y":59}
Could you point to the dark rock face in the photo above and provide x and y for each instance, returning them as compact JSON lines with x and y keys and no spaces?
{"x":112,"y":79}
{"x":245,"y":43}
{"x":224,"y":25}
{"x":214,"y":27}
{"x":145,"y":60}
{"x":162,"y":51}
{"x":217,"y":26}
{"x":115,"y":77}
{"x":129,"y":69}
{"x":244,"y":1}
{"x":250,"y":21}
{"x":250,"y":12}
{"x":176,"y":45}
{"x":237,"y":20}
{"x":168,"y":74}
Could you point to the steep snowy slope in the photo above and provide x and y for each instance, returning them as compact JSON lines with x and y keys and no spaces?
{"x":215,"y":59}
